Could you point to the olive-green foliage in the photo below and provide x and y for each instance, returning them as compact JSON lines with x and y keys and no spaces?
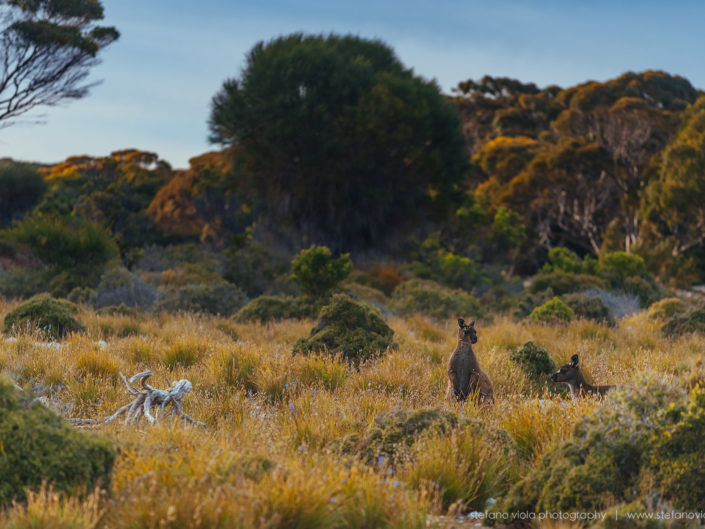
{"x":325,"y":153}
{"x":621,"y":265}
{"x":394,"y":432}
{"x":667,"y":308}
{"x":565,"y":283}
{"x":692,"y":320}
{"x":419,"y":295}
{"x":118,"y":286}
{"x":52,"y":317}
{"x":213,"y":296}
{"x":589,"y":308}
{"x":353,"y":330}
{"x":21,"y":188}
{"x":76,"y":251}
{"x":645,"y":288}
{"x":554,"y":310}
{"x":534,"y":360}
{"x":678,"y":457}
{"x":38,"y":446}
{"x":508,"y":228}
{"x":437,"y":263}
{"x":606,"y":459}
{"x":271,"y":308}
{"x":562,"y":260}
{"x":528,"y":301}
{"x":317,"y":272}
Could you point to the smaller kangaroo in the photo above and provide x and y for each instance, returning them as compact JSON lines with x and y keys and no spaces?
{"x":465,"y":376}
{"x":570,"y":375}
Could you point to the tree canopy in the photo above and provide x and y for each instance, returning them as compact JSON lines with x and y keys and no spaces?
{"x":337,"y":140}
{"x":47,"y":48}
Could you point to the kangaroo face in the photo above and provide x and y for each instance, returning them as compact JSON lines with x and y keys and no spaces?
{"x":569,"y":373}
{"x":467,"y":333}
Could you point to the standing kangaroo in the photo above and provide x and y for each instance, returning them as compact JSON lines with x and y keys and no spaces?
{"x":570,"y":375}
{"x":465,"y":376}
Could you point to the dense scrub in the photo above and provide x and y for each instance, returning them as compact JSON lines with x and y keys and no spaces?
{"x":51,"y":317}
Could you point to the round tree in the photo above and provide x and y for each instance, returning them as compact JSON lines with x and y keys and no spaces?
{"x":336,"y":139}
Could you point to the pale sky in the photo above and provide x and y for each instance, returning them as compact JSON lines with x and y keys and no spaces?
{"x":173,"y":55}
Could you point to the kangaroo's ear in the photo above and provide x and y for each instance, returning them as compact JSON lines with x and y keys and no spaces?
{"x":472,"y":323}
{"x":461,"y":323}
{"x":574,"y":360}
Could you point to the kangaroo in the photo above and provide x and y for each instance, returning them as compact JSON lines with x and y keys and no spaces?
{"x":570,"y":375}
{"x":465,"y":376}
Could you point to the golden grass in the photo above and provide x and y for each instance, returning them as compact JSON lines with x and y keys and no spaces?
{"x":261,"y":402}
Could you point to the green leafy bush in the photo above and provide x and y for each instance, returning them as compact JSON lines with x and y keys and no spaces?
{"x":619,"y":266}
{"x":317,"y":272}
{"x":552,"y":311}
{"x":564,"y":283}
{"x":428,"y":297}
{"x":534,"y":360}
{"x":353,"y":330}
{"x":215,"y":296}
{"x":118,"y":286}
{"x":21,"y":188}
{"x":51,"y":316}
{"x":38,"y":446}
{"x":254,"y":267}
{"x":562,"y":260}
{"x":692,"y":320}
{"x":645,"y":288}
{"x":589,"y":308}
{"x":271,"y":308}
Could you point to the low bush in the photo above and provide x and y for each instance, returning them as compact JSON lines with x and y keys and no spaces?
{"x":589,"y":308}
{"x":563,"y":260}
{"x":692,"y":320}
{"x":213,"y":297}
{"x":553,"y":311}
{"x":564,"y":283}
{"x":118,"y":286}
{"x":39,"y":447}
{"x":353,"y":330}
{"x":393,"y":433}
{"x":271,"y":308}
{"x":429,"y":297}
{"x":254,"y":267}
{"x":620,"y":266}
{"x":534,"y":360}
{"x":51,"y":317}
{"x":667,"y":308}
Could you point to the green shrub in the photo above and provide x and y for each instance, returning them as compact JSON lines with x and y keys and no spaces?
{"x":667,"y":308}
{"x":213,"y":297}
{"x":428,"y":297}
{"x":118,"y":286}
{"x":317,"y":272}
{"x":692,"y":320}
{"x":51,"y":316}
{"x":81,"y":295}
{"x":619,"y":266}
{"x":271,"y":308}
{"x":645,"y":288}
{"x":562,"y":260}
{"x":601,"y":463}
{"x":589,"y":308}
{"x":38,"y":446}
{"x":552,"y":311}
{"x":21,"y":188}
{"x":394,"y":432}
{"x":353,"y":330}
{"x":534,"y":360}
{"x":528,"y":302}
{"x":564,"y":283}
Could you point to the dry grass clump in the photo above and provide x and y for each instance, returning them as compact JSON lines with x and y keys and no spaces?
{"x":272,"y":418}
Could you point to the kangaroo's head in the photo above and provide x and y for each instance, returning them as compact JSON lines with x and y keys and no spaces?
{"x":467,"y":333}
{"x":569,"y":373}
